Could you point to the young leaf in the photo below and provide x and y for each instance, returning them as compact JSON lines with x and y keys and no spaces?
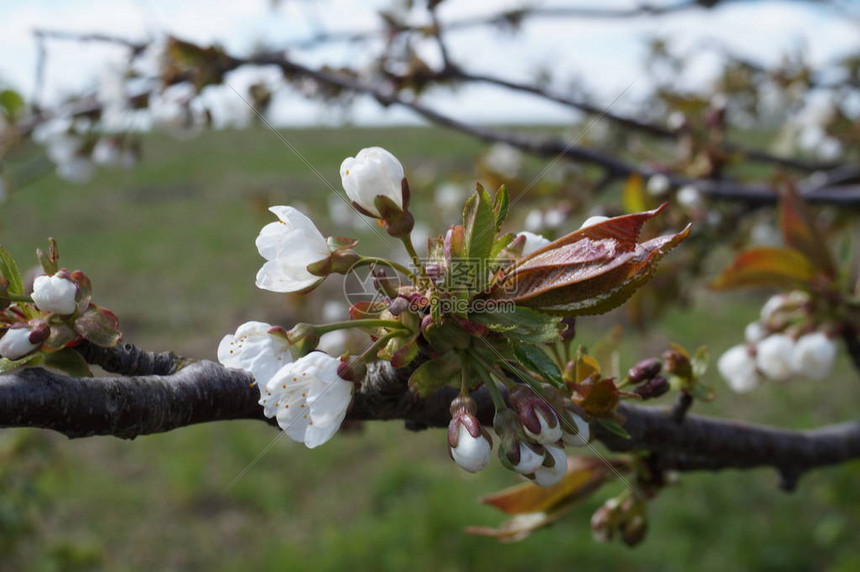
{"x":68,"y":361}
{"x":800,"y":233}
{"x":767,"y":266}
{"x":523,"y":324}
{"x":9,"y":271}
{"x":588,"y":271}
{"x":98,"y":325}
{"x":435,"y":374}
{"x":500,"y":206}
{"x":479,"y":222}
{"x":10,"y":364}
{"x":537,"y":360}
{"x":614,"y":427}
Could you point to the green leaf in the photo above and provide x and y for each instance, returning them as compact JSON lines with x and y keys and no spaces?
{"x":480,"y":226}
{"x":501,"y":243}
{"x":537,"y":360}
{"x":68,"y":361}
{"x":500,"y":206}
{"x":12,"y":102}
{"x":433,"y":375}
{"x":699,"y":362}
{"x":9,"y":271}
{"x":614,"y":427}
{"x":523,"y":324}
{"x":10,"y":364}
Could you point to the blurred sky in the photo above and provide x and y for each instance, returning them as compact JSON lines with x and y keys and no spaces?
{"x":606,"y":54}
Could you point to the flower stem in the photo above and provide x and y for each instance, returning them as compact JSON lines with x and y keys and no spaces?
{"x":410,"y":248}
{"x":363,"y":323}
{"x":18,"y":298}
{"x":368,"y":260}
{"x":492,"y":387}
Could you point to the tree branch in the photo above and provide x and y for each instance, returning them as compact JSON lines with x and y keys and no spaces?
{"x":202,"y":391}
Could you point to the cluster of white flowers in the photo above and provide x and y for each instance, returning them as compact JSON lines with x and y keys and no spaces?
{"x":306,"y":396}
{"x":76,"y":155}
{"x":538,"y":220}
{"x":771,"y":352}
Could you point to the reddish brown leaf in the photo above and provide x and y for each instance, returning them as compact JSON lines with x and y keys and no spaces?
{"x":800,"y":233}
{"x":588,"y":271}
{"x":767,"y":266}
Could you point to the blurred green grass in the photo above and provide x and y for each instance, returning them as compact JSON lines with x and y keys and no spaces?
{"x":169,"y":247}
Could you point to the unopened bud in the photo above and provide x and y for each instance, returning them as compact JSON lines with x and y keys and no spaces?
{"x":644,"y":370}
{"x":468,"y":443}
{"x":655,"y":387}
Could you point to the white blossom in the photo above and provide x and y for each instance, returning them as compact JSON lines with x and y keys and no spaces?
{"x":310,"y":398}
{"x":108,"y":153}
{"x":54,"y":294}
{"x":533,"y":242}
{"x":738,"y":367}
{"x":289,"y":246}
{"x":16,"y":343}
{"x":449,"y":196}
{"x":371,"y":173}
{"x":547,"y":434}
{"x":773,"y":356}
{"x":471,"y":453}
{"x":260,"y":353}
{"x":755,"y":332}
{"x":76,"y":170}
{"x":814,"y":355}
{"x":534,"y":220}
{"x":690,"y":197}
{"x":593,"y":220}
{"x":658,"y":185}
{"x":583,"y":434}
{"x":504,"y":159}
{"x":554,"y":218}
{"x":549,"y":476}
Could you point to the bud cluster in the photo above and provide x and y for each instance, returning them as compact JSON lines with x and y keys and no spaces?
{"x":56,"y":314}
{"x":786,"y":341}
{"x":622,"y":518}
{"x":532,"y":435}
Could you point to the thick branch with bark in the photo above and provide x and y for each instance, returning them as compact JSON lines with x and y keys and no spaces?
{"x":141,"y":402}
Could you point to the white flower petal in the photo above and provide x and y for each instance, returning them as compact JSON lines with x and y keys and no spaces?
{"x":533,"y":242}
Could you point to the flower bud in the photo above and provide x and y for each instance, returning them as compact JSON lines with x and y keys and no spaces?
{"x":593,"y":220}
{"x":515,"y":451}
{"x":755,"y":332}
{"x":633,"y":531}
{"x":17,"y":342}
{"x":570,"y":331}
{"x":538,"y":419}
{"x":55,"y":294}
{"x":372,"y":173}
{"x":554,"y":468}
{"x":644,"y":370}
{"x":738,"y":368}
{"x":532,"y":242}
{"x":773,"y":356}
{"x":814,"y":355}
{"x":468,"y":443}
{"x":653,"y":388}
{"x":583,"y":431}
